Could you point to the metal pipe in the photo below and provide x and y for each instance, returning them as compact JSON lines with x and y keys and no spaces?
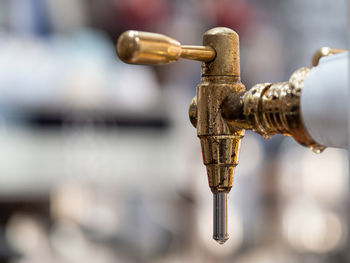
{"x":200,"y":53}
{"x":220,"y":231}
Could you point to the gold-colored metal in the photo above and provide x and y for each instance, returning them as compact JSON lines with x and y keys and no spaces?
{"x":200,"y":53}
{"x":136,"y":47}
{"x":193,"y":112}
{"x":220,"y":142}
{"x":272,"y":108}
{"x":223,"y":109}
{"x":323,"y":52}
{"x":220,"y":77}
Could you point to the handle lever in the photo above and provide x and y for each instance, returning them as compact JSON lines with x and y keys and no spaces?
{"x":137,"y":47}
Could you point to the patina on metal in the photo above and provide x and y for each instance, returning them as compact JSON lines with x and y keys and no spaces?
{"x":219,"y":140}
{"x":271,"y":108}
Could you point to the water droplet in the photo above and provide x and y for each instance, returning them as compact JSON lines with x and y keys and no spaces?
{"x":267,"y":137}
{"x":317,"y":149}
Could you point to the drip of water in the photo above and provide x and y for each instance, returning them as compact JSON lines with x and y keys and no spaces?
{"x":267,"y":137}
{"x":317,"y":149}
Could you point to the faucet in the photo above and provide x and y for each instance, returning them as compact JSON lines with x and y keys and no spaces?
{"x":223,"y":109}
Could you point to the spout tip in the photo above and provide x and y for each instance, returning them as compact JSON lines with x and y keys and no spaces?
{"x":221,"y":240}
{"x":220,"y":233}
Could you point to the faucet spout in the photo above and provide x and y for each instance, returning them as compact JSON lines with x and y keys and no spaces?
{"x":220,"y":231}
{"x":220,"y":141}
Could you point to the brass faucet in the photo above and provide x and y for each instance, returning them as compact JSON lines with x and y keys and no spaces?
{"x":223,"y":109}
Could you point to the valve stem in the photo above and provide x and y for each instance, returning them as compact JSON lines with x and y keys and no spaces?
{"x":220,"y":233}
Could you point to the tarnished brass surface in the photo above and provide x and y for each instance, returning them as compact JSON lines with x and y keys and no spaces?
{"x":272,"y":108}
{"x":323,"y":52}
{"x":225,"y":41}
{"x":136,"y":47}
{"x":220,"y":142}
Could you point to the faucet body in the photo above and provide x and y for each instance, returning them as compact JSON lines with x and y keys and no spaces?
{"x":219,"y":140}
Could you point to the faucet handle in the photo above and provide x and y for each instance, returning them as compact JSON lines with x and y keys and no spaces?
{"x":137,"y":47}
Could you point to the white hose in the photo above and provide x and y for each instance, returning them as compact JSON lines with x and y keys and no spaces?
{"x":325,"y":101}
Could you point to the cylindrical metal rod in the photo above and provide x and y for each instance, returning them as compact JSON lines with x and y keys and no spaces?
{"x":200,"y":53}
{"x":220,"y":232}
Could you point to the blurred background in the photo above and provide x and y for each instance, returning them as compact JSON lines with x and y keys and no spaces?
{"x":99,"y":162}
